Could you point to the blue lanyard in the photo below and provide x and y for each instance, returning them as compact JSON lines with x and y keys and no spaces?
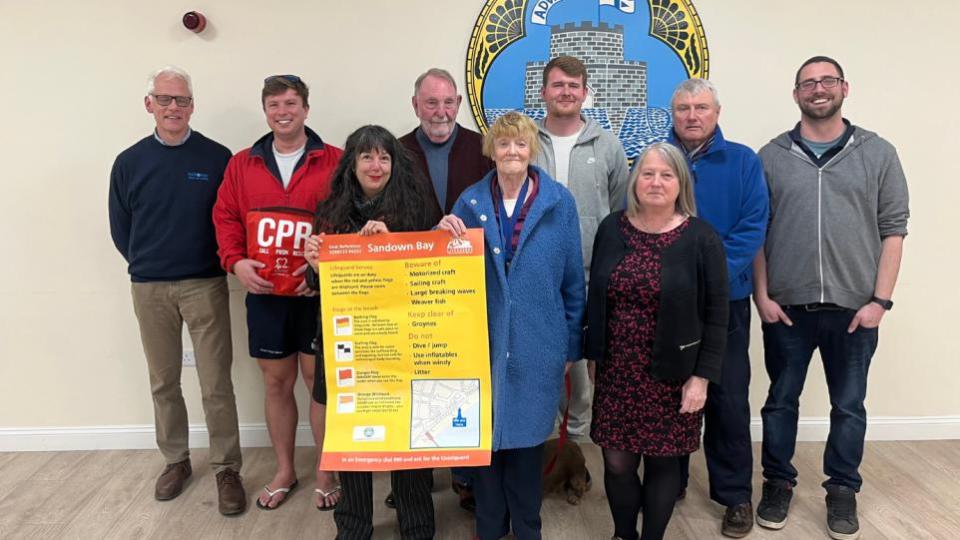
{"x":507,"y":223}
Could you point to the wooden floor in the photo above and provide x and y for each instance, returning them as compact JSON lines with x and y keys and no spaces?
{"x":911,"y":490}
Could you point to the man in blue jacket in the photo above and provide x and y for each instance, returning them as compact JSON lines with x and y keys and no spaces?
{"x":731,"y":195}
{"x":162,"y":190}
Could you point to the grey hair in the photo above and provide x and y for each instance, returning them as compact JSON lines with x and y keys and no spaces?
{"x":686,"y":204}
{"x":694,"y":87}
{"x":434,"y":72}
{"x":168,"y":71}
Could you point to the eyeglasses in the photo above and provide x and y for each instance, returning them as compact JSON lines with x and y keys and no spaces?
{"x":290,"y":78}
{"x":164,"y":100}
{"x":826,"y":82}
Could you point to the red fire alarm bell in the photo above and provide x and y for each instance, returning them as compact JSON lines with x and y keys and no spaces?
{"x":194,"y":21}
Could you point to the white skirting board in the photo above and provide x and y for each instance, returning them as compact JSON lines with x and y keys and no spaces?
{"x":880,"y":428}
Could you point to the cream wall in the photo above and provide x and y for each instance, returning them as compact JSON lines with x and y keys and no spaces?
{"x":73,"y":81}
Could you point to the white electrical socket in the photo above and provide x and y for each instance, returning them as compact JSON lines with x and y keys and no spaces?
{"x":189,"y":359}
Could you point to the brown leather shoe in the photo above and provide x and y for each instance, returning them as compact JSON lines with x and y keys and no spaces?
{"x":737,"y":520}
{"x":467,"y":500}
{"x":171,"y":481}
{"x":232,"y":497}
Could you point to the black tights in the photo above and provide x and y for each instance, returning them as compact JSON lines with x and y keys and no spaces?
{"x":627,"y":495}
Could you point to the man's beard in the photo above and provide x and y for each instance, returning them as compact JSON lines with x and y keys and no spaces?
{"x":821,"y":114}
{"x":439,"y":130}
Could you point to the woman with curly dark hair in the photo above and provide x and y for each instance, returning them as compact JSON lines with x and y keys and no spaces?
{"x":376,"y":189}
{"x":376,"y":180}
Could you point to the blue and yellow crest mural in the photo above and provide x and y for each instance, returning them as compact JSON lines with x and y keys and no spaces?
{"x":634,"y":58}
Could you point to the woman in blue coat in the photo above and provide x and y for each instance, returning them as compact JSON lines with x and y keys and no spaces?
{"x":535,"y":303}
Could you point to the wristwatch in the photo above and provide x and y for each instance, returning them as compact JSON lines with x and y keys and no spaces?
{"x":885,"y":304}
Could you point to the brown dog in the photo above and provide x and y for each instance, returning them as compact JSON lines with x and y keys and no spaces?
{"x":569,"y":474}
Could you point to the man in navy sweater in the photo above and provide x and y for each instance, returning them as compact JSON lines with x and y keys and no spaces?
{"x":731,"y":195}
{"x":162,"y":191}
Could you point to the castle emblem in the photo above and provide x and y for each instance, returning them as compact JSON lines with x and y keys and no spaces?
{"x":634,"y":59}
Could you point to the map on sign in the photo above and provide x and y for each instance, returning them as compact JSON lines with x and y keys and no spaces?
{"x":445,"y":413}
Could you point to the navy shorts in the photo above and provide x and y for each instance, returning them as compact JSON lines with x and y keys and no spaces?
{"x":278,"y":326}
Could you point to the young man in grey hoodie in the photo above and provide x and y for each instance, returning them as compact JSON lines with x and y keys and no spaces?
{"x":825,"y":279}
{"x":591,"y":163}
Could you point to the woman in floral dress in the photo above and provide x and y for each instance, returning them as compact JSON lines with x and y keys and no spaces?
{"x":657,"y":319}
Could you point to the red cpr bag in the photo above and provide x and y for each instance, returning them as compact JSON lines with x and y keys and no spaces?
{"x":276,"y":237}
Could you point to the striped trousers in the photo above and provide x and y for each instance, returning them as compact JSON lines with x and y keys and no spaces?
{"x":411,"y":491}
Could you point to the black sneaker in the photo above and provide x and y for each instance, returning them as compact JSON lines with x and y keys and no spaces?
{"x":842,"y":522}
{"x":738,"y":520}
{"x":775,"y":504}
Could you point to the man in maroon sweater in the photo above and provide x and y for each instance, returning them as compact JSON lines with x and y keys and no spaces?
{"x":451,"y":157}
{"x":449,"y":154}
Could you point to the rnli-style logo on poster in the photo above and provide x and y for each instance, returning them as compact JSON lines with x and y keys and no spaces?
{"x":635,"y":53}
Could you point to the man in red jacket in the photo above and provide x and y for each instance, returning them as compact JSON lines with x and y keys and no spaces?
{"x":287,"y":171}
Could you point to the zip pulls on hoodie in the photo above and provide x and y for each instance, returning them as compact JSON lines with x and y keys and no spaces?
{"x":820,"y":228}
{"x":802,"y":155}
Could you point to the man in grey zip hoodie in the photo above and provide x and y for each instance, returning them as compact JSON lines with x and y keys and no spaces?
{"x":591,"y":163}
{"x":838,"y":216}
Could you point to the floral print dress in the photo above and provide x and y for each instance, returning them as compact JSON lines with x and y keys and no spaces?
{"x":632,"y":411}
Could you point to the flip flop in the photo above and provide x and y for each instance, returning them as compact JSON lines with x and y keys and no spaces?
{"x":326,"y":494}
{"x":270,"y":494}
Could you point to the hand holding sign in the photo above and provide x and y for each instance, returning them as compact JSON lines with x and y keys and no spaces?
{"x":311,"y":250}
{"x":374,"y":227}
{"x":311,"y":253}
{"x":453,"y":224}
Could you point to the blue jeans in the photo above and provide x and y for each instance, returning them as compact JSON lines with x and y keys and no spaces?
{"x":846,"y":361}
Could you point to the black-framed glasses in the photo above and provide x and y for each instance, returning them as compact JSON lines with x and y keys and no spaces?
{"x":290,"y":78}
{"x":826,"y":82}
{"x":163,"y":100}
